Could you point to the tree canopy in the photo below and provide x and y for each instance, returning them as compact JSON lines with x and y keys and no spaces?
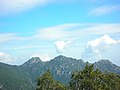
{"x":91,"y":79}
{"x":87,"y":79}
{"x":46,"y":82}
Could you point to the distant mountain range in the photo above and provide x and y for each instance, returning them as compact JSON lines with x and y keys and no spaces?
{"x":24,"y":77}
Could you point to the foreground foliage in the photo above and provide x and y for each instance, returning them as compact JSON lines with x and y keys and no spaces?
{"x":90,"y":79}
{"x":46,"y":82}
{"x":87,"y":79}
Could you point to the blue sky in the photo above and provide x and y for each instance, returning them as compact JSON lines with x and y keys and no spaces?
{"x":87,"y":29}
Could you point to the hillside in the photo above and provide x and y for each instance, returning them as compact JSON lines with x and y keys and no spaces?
{"x":12,"y":78}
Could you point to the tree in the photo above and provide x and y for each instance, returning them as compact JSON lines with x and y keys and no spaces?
{"x":91,"y":79}
{"x":46,"y":82}
{"x":111,"y":81}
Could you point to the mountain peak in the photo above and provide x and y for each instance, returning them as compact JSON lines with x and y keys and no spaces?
{"x":61,"y":56}
{"x":33,"y":60}
{"x":104,"y":61}
{"x":106,"y":65}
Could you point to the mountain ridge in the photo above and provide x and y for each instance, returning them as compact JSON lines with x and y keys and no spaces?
{"x":61,"y":68}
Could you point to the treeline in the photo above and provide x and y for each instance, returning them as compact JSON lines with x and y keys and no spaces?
{"x":87,"y":79}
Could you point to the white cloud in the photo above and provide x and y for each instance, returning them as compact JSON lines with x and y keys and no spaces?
{"x":10,"y":6}
{"x":4,"y":37}
{"x":105,"y":9}
{"x":7,"y":36}
{"x":15,"y":6}
{"x":74,"y":30}
{"x":101,"y":42}
{"x":101,"y":29}
{"x":25,"y":47}
{"x":43,"y":57}
{"x":95,"y":48}
{"x":55,"y":32}
{"x":62,"y":45}
{"x":6,"y":58}
{"x":65,"y":32}
{"x":51,"y":33}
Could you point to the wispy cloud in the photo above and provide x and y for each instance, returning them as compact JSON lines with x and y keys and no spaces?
{"x":16,"y":6}
{"x":61,"y":32}
{"x":103,"y":28}
{"x":25,"y":47}
{"x":106,"y":9}
{"x":10,"y":6}
{"x":7,"y":36}
{"x":55,"y":32}
{"x":6,"y":58}
{"x":4,"y":37}
{"x":65,"y":32}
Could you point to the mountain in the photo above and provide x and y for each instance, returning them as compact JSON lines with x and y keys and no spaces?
{"x":62,"y":67}
{"x":107,"y":66}
{"x":33,"y":67}
{"x":24,"y":77}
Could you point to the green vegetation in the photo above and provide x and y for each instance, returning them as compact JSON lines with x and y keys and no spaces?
{"x":11,"y":78}
{"x":90,"y":79}
{"x":87,"y":79}
{"x":46,"y":82}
